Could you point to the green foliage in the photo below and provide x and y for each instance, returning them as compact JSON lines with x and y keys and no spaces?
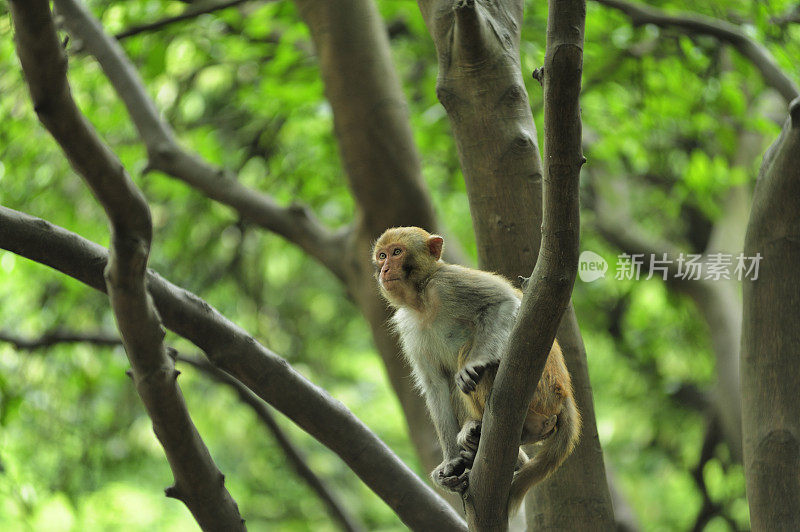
{"x":663,"y":112}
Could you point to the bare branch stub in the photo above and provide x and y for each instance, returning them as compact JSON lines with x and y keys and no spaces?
{"x":538,"y":75}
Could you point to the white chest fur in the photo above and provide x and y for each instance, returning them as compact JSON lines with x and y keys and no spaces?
{"x":430,"y":345}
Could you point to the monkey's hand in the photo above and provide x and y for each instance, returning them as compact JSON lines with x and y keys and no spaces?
{"x":467,"y":379}
{"x":452,"y":475}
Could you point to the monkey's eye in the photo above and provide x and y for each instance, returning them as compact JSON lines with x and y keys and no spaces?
{"x":396,"y":251}
{"x":382,"y":256}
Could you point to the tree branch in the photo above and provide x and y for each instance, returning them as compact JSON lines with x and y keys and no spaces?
{"x":500,"y":156}
{"x":548,"y":294}
{"x":335,"y":507}
{"x":294,"y":456}
{"x":790,"y":16}
{"x":198,"y":482}
{"x":370,"y":117}
{"x":717,"y":300}
{"x":751,"y":49}
{"x":295,"y":223}
{"x":770,"y":336}
{"x":188,"y":14}
{"x":618,"y":229}
{"x":56,"y":337}
{"x":234,"y":351}
{"x":491,"y":119}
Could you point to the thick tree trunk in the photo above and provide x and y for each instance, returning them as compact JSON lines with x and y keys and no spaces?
{"x":380,"y":159}
{"x":577,"y":496}
{"x":382,"y":167}
{"x":480,"y":79}
{"x":771,"y":338}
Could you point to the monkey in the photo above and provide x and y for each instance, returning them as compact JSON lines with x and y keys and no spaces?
{"x":453,"y":324}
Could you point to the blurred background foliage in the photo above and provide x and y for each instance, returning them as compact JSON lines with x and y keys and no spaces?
{"x":242,"y":88}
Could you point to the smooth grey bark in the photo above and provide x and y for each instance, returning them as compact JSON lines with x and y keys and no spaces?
{"x":199,"y":483}
{"x":480,"y":77}
{"x":771,"y":338}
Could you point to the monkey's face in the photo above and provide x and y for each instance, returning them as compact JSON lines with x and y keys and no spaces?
{"x":404,"y":257}
{"x":392,"y":265}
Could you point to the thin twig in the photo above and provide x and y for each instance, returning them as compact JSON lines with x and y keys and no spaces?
{"x":56,"y":337}
{"x":190,"y":13}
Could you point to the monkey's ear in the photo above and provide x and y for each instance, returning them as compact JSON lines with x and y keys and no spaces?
{"x":435,"y":245}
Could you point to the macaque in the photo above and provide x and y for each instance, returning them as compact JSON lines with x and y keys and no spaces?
{"x":454,"y":324}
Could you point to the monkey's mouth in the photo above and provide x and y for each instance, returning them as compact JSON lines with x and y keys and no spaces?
{"x":392,"y":280}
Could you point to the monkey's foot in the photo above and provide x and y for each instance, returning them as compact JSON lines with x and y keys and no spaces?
{"x":468,"y":440}
{"x":467,"y":379}
{"x":452,"y":475}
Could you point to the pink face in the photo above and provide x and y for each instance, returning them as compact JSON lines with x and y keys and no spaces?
{"x":389,"y":259}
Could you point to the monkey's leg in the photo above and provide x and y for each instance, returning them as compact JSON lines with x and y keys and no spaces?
{"x":452,"y":475}
{"x":468,"y":440}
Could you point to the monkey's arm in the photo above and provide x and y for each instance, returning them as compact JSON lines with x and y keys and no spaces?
{"x":438,"y":397}
{"x":451,"y":474}
{"x":492,"y":326}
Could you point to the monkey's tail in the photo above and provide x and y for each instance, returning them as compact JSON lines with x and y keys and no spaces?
{"x":551,"y":454}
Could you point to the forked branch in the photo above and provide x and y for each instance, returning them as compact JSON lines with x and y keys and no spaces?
{"x":198,"y":481}
{"x":295,"y":223}
{"x":548,"y":292}
{"x":240,"y":355}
